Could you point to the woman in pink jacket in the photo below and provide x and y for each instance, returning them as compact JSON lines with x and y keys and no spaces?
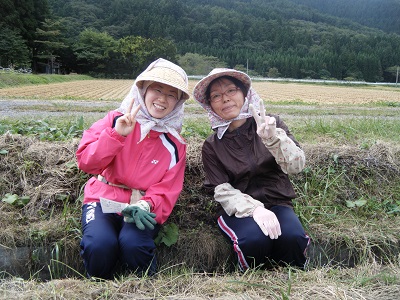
{"x":137,"y":157}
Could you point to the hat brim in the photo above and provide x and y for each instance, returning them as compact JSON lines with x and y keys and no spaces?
{"x":199,"y":91}
{"x":166,"y":76}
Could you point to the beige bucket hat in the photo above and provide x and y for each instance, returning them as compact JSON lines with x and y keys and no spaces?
{"x":199,"y":92}
{"x":166,"y":72}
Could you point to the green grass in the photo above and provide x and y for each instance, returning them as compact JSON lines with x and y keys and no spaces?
{"x":293,"y":110}
{"x":62,"y":107}
{"x":363,"y":131}
{"x":16,"y":79}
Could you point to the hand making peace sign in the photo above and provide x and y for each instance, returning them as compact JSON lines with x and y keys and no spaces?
{"x":266,"y":125}
{"x":126,"y":123}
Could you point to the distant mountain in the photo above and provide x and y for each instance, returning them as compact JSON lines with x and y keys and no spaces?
{"x":301,"y":38}
{"x":381,"y":14}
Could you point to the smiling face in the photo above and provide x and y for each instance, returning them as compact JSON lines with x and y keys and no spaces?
{"x":160,"y":99}
{"x":227,"y":103}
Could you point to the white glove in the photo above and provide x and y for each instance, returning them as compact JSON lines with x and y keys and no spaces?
{"x":266,"y":125}
{"x":142,"y":204}
{"x":268,"y":222}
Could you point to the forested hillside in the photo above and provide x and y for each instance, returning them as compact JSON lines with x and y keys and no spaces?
{"x":380,"y":14}
{"x":296,"y":39}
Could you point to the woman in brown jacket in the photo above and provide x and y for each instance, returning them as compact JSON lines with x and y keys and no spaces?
{"x":247,"y":161}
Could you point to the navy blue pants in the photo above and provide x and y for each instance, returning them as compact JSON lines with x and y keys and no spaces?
{"x":254,"y":249}
{"x":108,"y":241}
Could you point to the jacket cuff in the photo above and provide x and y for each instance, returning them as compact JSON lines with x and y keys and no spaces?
{"x":114,"y":134}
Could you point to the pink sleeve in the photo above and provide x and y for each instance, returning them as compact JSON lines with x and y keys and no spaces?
{"x":98,"y":146}
{"x":164,"y":194}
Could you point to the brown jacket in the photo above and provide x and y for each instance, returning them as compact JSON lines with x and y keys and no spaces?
{"x":242,"y":159}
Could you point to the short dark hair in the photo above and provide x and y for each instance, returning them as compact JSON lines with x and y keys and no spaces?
{"x":235,"y":81}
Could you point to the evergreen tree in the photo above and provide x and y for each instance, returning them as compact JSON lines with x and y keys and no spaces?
{"x":49,"y":41}
{"x":13,"y":50}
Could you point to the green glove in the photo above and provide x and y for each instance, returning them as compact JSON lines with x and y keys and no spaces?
{"x":139,"y":213}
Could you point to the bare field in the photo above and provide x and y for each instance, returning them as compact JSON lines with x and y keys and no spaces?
{"x":83,"y":89}
{"x":110,"y":90}
{"x":326,"y":94}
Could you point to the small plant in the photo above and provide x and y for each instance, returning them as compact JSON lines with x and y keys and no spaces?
{"x":16,"y":200}
{"x":357,"y":203}
{"x":45,"y":130}
{"x":167,"y":235}
{"x":196,"y":128}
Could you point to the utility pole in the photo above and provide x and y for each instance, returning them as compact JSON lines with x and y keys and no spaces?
{"x":397,"y":75}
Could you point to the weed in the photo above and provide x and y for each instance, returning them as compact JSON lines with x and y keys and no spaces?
{"x":44,"y":130}
{"x":16,"y":200}
{"x":198,"y":128}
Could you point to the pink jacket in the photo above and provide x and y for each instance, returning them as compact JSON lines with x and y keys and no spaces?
{"x":156,"y":165}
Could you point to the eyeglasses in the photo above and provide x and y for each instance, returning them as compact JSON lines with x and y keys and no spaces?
{"x":217,"y":97}
{"x":170,"y":97}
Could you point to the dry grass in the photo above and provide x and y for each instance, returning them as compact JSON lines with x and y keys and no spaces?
{"x":372,"y":281}
{"x":47,"y":173}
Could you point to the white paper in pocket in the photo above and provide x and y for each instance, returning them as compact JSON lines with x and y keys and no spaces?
{"x":111,"y":206}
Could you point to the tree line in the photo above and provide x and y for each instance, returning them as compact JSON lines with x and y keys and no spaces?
{"x":118,"y":38}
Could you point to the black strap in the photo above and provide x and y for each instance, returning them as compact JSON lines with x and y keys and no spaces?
{"x":115,"y":121}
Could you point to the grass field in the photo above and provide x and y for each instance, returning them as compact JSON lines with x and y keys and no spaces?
{"x":349,"y":196}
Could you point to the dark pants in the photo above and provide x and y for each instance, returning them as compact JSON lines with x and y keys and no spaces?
{"x":254,"y":249}
{"x":108,"y":240}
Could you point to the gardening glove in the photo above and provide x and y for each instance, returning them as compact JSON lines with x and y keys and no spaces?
{"x":139,"y":213}
{"x":266,"y":125}
{"x":267,"y":221}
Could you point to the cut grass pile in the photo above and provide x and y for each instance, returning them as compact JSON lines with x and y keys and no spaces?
{"x":348,"y":202}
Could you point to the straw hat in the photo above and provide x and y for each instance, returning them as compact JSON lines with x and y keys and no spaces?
{"x":199,"y":92}
{"x":167,"y":75}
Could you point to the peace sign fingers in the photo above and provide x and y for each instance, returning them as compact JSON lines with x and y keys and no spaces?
{"x":262,"y":110}
{"x":135,"y":111}
{"x":131,"y":114}
{"x":126,"y":123}
{"x":259,"y":119}
{"x":266,"y":125}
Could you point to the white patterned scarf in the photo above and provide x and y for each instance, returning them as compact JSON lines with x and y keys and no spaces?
{"x":172,"y":123}
{"x":221,"y":125}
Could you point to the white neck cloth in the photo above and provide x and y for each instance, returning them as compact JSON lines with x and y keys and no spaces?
{"x":221,"y":125}
{"x":172,"y":123}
